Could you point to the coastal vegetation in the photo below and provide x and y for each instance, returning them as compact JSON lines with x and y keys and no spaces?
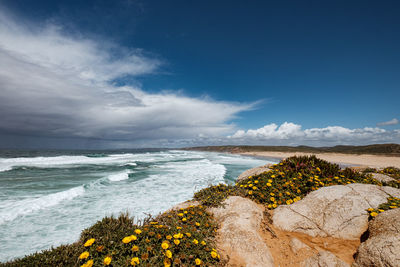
{"x":186,"y":236}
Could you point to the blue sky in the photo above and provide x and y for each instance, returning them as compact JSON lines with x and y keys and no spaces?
{"x":264,"y":72}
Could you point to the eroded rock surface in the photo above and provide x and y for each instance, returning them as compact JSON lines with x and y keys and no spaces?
{"x":239,"y":237}
{"x":335,"y":211}
{"x":254,"y":171}
{"x":382,"y":177}
{"x":324,"y":259}
{"x":382,"y":248}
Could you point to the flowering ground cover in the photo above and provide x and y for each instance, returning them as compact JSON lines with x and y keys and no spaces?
{"x":185,"y":237}
{"x":286,"y":182}
{"x":389,"y":171}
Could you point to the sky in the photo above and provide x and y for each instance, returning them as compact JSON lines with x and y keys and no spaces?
{"x":127,"y":74}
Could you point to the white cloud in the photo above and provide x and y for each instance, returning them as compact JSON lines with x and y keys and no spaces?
{"x":393,"y":121}
{"x":57,"y":85}
{"x":292,"y":134}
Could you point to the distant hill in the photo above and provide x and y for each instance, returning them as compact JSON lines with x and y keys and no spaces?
{"x":377,"y":149}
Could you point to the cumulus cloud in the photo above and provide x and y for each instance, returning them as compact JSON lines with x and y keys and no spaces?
{"x":393,"y":121}
{"x":60,"y":86}
{"x":292,"y":134}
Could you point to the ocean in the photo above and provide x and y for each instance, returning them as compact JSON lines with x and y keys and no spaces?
{"x":48,"y":197}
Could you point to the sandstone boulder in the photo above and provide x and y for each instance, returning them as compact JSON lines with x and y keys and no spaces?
{"x":324,"y":259}
{"x":382,"y":177}
{"x":335,"y":211}
{"x":239,"y":237}
{"x":382,"y":248}
{"x":254,"y":171}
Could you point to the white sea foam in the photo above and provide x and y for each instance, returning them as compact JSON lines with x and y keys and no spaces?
{"x":120,"y":176}
{"x":11,"y":210}
{"x":61,"y":161}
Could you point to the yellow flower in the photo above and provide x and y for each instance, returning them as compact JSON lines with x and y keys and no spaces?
{"x":392,"y":207}
{"x":188,"y":234}
{"x":178,"y":228}
{"x":272,"y":198}
{"x":269,"y":206}
{"x":195,"y":241}
{"x":197,"y":261}
{"x":214,"y":254}
{"x":126,"y":239}
{"x":138,"y":231}
{"x":107,"y":260}
{"x":167,"y":262}
{"x":254,"y":187}
{"x":184,"y":219}
{"x":169,"y":237}
{"x":133,"y":237}
{"x":203,"y":243}
{"x":274,"y":205}
{"x":177,"y":235}
{"x":180,"y":214}
{"x":256,"y":181}
{"x":176,"y":241}
{"x":373,"y":214}
{"x":164,"y":245}
{"x":370,"y":209}
{"x":250,"y":192}
{"x":135,"y":248}
{"x":135,"y":261}
{"x":89,"y":263}
{"x":197,"y":224}
{"x":168,"y":253}
{"x":268,"y":184}
{"x":84,"y":255}
{"x":89,"y":242}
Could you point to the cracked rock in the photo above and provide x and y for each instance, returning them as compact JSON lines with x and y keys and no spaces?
{"x":382,"y":248}
{"x":335,"y":211}
{"x":324,"y":259}
{"x":239,"y":235}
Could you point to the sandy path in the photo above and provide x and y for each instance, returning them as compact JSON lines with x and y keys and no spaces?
{"x":351,"y":159}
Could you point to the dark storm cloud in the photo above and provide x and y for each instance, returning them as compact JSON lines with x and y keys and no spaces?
{"x":53,"y":85}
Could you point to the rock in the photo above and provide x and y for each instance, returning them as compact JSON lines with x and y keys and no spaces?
{"x":335,"y":211}
{"x":382,"y":248}
{"x":296,"y":245}
{"x":324,"y":259}
{"x":239,"y":235}
{"x":382,"y":177}
{"x":254,"y":171}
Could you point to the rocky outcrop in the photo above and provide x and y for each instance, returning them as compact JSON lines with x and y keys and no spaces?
{"x":336,"y":211}
{"x":253,"y":171}
{"x":324,"y":259}
{"x":382,"y":177}
{"x":382,"y":248}
{"x":239,"y":237}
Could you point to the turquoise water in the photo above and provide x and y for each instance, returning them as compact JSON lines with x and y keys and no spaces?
{"x":47,"y":198}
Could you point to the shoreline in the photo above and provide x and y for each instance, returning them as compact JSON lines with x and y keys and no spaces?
{"x":359,"y":160}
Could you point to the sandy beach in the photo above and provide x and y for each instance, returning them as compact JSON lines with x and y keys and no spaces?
{"x":374,"y":161}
